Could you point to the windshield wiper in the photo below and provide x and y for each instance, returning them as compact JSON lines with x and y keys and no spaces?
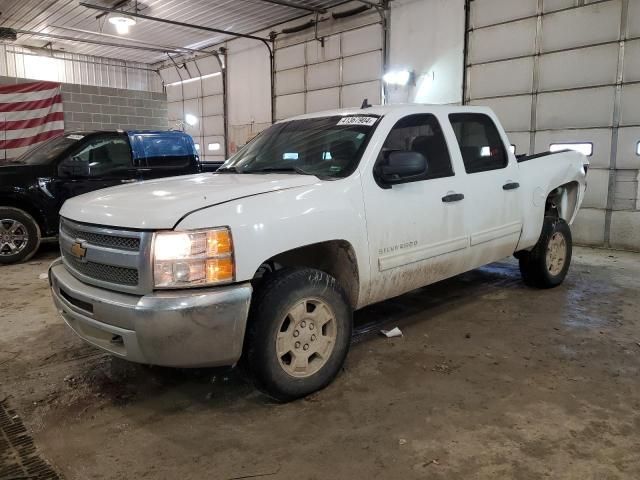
{"x":280,"y":169}
{"x":231,"y":169}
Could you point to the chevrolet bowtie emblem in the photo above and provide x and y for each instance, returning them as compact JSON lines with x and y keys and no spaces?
{"x":77,"y":250}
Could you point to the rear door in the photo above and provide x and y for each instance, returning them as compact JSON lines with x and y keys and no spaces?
{"x":164,"y":154}
{"x":417,"y":233}
{"x":494,"y":213}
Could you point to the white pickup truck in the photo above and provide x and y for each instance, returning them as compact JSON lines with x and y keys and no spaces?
{"x":318,"y":216}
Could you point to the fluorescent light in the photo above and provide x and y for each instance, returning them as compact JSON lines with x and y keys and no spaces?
{"x":213,"y":146}
{"x":122,"y":23}
{"x":584,"y":147}
{"x":188,"y":80}
{"x":197,"y":147}
{"x":400,"y":77}
{"x":191,"y":119}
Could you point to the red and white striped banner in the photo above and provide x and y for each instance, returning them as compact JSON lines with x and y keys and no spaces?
{"x":30,"y":113}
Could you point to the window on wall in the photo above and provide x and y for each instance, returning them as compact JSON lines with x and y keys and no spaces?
{"x":638,"y":148}
{"x":421,"y":133}
{"x":43,"y":68}
{"x":586,"y":148}
{"x":480,"y":142}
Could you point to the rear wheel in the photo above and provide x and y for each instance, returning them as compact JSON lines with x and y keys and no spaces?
{"x":547,"y":264}
{"x":299,"y":333}
{"x":19,"y":235}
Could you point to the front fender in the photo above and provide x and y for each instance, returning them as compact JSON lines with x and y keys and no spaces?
{"x":266,"y":225}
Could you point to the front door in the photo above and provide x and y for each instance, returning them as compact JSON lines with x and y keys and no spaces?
{"x":103,"y":160}
{"x":417,"y":232}
{"x":494,"y":215}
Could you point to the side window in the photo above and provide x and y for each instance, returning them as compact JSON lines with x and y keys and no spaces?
{"x":421,"y":133}
{"x":166,"y":151}
{"x":100,"y":157}
{"x":480,"y":143}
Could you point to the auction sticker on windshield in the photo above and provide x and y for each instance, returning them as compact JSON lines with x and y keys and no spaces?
{"x":75,"y":137}
{"x":358,"y":121}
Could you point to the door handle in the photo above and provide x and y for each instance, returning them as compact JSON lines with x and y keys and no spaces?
{"x":452,"y":197}
{"x":511,"y":186}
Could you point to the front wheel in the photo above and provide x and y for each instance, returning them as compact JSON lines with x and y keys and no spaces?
{"x":299,"y":333}
{"x":19,"y":235}
{"x":547,"y":264}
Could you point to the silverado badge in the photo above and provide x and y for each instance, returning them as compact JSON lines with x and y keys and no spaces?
{"x":77,"y":250}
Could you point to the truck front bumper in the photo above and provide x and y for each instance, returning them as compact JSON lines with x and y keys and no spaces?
{"x":182,"y":328}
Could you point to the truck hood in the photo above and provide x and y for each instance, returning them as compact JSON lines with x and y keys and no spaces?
{"x":162,"y":203}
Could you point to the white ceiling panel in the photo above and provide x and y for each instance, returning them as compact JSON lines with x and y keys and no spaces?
{"x":514,"y":112}
{"x":361,"y":68}
{"x":290,"y":81}
{"x":323,"y":75}
{"x":289,"y":105}
{"x":630,"y":102}
{"x":577,"y":27}
{"x":590,"y":107}
{"x":53,"y":16}
{"x":583,"y":67}
{"x":510,"y":77}
{"x":362,"y":40}
{"x":353,"y":95}
{"x":503,"y":41}
{"x":319,"y":100}
{"x":488,"y":12}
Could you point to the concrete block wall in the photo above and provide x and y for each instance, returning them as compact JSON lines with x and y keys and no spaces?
{"x":88,"y":107}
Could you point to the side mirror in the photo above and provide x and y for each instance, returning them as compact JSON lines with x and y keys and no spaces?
{"x":402,"y":166}
{"x":73,"y":167}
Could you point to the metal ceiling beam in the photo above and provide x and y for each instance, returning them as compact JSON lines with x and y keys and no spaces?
{"x":133,"y":40}
{"x":173,"y":22}
{"x":94,"y":42}
{"x":285,"y":3}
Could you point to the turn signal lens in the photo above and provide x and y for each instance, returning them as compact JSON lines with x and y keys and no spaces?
{"x":193,"y":258}
{"x":219,"y":270}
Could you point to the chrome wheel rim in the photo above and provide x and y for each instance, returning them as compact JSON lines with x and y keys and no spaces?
{"x":556,"y":253}
{"x":306,"y":337}
{"x":14,"y":237}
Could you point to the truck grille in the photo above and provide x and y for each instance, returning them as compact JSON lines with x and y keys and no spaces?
{"x":107,"y":257}
{"x":122,"y":243}
{"x":105,"y":273}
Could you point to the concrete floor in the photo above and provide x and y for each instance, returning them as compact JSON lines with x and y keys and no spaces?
{"x":491,"y":380}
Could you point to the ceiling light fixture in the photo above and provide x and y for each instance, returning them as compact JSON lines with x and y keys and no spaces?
{"x":122,"y":23}
{"x":190,"y":119}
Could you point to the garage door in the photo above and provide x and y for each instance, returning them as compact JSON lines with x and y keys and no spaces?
{"x":196,"y":92}
{"x":566,"y":73}
{"x":311,"y":77}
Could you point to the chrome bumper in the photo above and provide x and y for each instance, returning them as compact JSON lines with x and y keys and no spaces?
{"x":185,"y":328}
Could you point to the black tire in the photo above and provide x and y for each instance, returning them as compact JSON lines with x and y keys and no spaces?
{"x":31,"y":228}
{"x":270,"y":310}
{"x":534,"y":267}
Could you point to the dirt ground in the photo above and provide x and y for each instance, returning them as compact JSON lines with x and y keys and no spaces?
{"x":491,"y":380}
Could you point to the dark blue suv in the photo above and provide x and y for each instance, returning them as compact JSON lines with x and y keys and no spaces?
{"x":34,"y":186}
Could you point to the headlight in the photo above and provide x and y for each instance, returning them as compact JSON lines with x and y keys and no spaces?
{"x":192,"y":259}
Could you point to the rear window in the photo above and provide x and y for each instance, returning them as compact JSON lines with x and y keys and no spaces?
{"x":165,"y":151}
{"x":480,"y":143}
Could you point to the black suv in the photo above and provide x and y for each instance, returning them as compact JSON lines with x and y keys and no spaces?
{"x":34,"y":186}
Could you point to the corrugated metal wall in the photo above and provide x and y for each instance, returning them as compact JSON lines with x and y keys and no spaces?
{"x":78,"y":69}
{"x":568,"y":71}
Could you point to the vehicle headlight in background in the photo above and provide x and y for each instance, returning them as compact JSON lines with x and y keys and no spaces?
{"x":193,"y":258}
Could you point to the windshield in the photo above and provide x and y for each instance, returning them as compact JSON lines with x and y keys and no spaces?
{"x":47,"y":151}
{"x":324,"y":146}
